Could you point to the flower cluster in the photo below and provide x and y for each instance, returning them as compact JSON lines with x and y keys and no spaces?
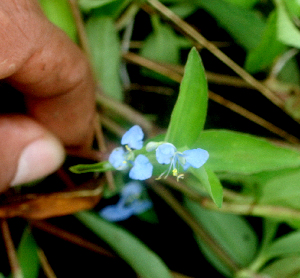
{"x":131,"y":202}
{"x":166,"y":153}
{"x":121,"y":159}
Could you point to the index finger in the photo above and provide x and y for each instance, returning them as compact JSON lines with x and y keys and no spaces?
{"x":55,"y":77}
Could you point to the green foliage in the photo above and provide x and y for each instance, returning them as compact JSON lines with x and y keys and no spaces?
{"x":189,"y":114}
{"x":211,"y":183}
{"x":231,"y":232}
{"x":105,"y":51}
{"x":59,"y":12}
{"x":162,"y":45}
{"x":28,"y":256}
{"x":288,"y":33}
{"x":286,"y":267}
{"x":242,"y":153}
{"x":144,"y":261}
{"x":238,"y":21}
{"x":274,"y":193}
{"x":258,"y":58}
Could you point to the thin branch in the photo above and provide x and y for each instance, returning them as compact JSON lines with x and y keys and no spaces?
{"x":253,"y":117}
{"x":10,"y":250}
{"x":73,"y":238}
{"x":126,"y":112}
{"x":176,"y":75}
{"x":197,"y":37}
{"x":276,"y":212}
{"x":45,"y":264}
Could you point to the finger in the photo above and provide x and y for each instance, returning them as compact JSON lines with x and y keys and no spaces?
{"x":28,"y":151}
{"x":56,"y":80}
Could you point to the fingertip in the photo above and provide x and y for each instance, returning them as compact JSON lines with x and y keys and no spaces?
{"x":38,"y":159}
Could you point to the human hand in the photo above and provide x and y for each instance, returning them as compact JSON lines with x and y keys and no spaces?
{"x":54,"y":76}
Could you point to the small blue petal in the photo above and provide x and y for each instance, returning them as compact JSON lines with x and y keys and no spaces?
{"x":165,"y":152}
{"x":132,"y":188}
{"x":116,"y":213}
{"x":117,"y":159}
{"x":195,"y":158}
{"x":140,"y":206}
{"x":142,"y":168}
{"x":133,"y":138}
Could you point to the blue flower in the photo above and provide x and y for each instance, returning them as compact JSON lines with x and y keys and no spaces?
{"x":130,"y":203}
{"x":133,"y":138}
{"x":142,"y":168}
{"x":166,"y":153}
{"x":121,"y":159}
{"x":118,"y":159}
{"x":195,"y":158}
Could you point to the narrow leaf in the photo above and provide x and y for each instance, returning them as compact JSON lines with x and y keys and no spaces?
{"x":210,"y":181}
{"x":143,"y":260}
{"x":235,"y":152}
{"x":59,"y":13}
{"x":285,"y":245}
{"x":258,"y":58}
{"x":287,"y":32}
{"x":189,"y":114}
{"x":87,"y":5}
{"x":105,"y":52}
{"x":89,"y":168}
{"x":233,"y":234}
{"x":239,"y":22}
{"x":27,"y":255}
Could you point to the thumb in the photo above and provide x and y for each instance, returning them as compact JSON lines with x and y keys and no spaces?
{"x":27,"y":150}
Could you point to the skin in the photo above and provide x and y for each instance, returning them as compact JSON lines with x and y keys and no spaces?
{"x":53,"y":75}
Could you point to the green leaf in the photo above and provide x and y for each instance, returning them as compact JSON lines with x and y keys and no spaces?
{"x":243,"y":3}
{"x":282,"y":190}
{"x":286,"y":267}
{"x":28,"y":256}
{"x":210,"y":181}
{"x":231,"y":232}
{"x":287,"y":32}
{"x":105,"y":51}
{"x":143,"y":260}
{"x":162,"y":45}
{"x":267,"y":50}
{"x":87,"y":5}
{"x":235,"y":152}
{"x":239,"y":22}
{"x":285,"y":245}
{"x":99,"y":167}
{"x":59,"y":13}
{"x":189,"y":114}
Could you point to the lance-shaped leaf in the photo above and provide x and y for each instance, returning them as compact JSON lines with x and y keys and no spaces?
{"x":143,"y":260}
{"x":189,"y":114}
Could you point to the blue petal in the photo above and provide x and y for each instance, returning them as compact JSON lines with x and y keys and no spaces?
{"x":117,"y":159}
{"x":115,"y":213}
{"x":133,"y":138}
{"x":195,"y":158}
{"x":140,"y":206}
{"x":133,"y":188}
{"x":165,"y":152}
{"x":142,"y":168}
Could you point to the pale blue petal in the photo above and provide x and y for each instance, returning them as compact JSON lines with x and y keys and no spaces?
{"x":142,"y":168}
{"x":116,"y":213}
{"x":133,"y":138}
{"x":117,"y":159}
{"x":133,"y":188}
{"x":165,"y":153}
{"x":140,"y":206}
{"x":195,"y":158}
